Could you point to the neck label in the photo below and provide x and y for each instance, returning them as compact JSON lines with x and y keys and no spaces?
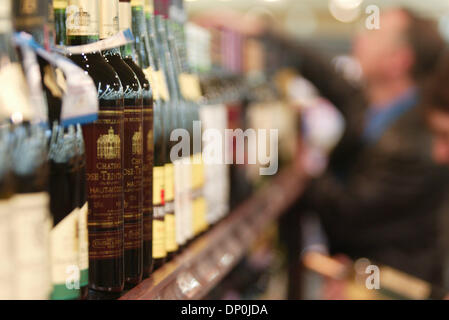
{"x":109,"y":20}
{"x":125,"y":16}
{"x":82,"y":18}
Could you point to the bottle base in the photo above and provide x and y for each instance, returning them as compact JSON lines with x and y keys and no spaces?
{"x":84,"y":292}
{"x":102,"y":295}
{"x":148,"y":271}
{"x":158,"y":263}
{"x":132,"y":282}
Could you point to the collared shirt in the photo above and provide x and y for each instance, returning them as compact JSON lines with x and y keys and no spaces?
{"x":378,"y":120}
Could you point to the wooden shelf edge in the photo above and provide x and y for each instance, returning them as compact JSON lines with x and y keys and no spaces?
{"x":207,"y":260}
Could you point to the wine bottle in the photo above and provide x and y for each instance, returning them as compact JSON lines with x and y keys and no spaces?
{"x":79,"y":161}
{"x":191,"y":93}
{"x":143,"y":59}
{"x":160,"y":12}
{"x":133,"y":145}
{"x":160,"y":147}
{"x":64,"y":192}
{"x":181,"y":168}
{"x":83,"y":233}
{"x":104,"y":145}
{"x":31,"y":221}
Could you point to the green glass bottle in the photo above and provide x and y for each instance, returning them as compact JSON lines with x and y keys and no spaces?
{"x":140,"y":62}
{"x":167,"y":67}
{"x":161,"y":102}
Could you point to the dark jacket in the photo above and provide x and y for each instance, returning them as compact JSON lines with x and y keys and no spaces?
{"x":387,"y":205}
{"x":380,"y":201}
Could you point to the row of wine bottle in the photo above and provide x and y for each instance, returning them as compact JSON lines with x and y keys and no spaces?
{"x":99,"y":203}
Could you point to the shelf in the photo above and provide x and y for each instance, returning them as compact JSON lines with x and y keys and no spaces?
{"x":206,"y":261}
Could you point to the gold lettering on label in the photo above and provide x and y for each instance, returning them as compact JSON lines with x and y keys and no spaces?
{"x":150,"y":140}
{"x":83,"y":18}
{"x":108,"y":146}
{"x":137,"y":142}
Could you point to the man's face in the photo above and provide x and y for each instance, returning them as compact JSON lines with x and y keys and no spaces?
{"x":381,"y":53}
{"x":439,"y":125}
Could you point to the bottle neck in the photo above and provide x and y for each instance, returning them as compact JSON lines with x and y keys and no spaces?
{"x":142,"y":45}
{"x":109,"y":18}
{"x":149,"y":8}
{"x":125,"y":22}
{"x":60,"y":29}
{"x":138,"y":21}
{"x":82,"y":21}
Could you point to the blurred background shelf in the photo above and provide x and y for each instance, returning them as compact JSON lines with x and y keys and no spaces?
{"x":199,"y":268}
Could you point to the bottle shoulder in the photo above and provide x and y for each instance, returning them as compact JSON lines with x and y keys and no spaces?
{"x":139,"y":73}
{"x":103,"y":75}
{"x":125,"y":73}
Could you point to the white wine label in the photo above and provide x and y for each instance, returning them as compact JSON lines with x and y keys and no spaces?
{"x":109,"y":18}
{"x":30,"y":225}
{"x":6,"y":252}
{"x":179,"y":201}
{"x":13,"y":100}
{"x":158,"y":185}
{"x":169,"y":187}
{"x":197,"y":171}
{"x":187,"y":226}
{"x":60,"y":4}
{"x":170,"y":235}
{"x":82,"y":18}
{"x":216,"y":189}
{"x":199,"y":215}
{"x":64,"y":257}
{"x":188,"y":222}
{"x":125,"y":16}
{"x":159,"y":250}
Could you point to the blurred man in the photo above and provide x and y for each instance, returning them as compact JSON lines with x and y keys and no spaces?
{"x":381,"y":196}
{"x":436,"y":103}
